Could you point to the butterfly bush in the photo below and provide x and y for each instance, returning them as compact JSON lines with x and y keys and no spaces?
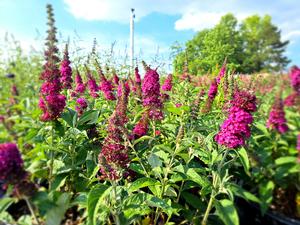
{"x":213,"y":90}
{"x":116,"y":79}
{"x":113,"y":159}
{"x":277,"y":119}
{"x":196,"y":103}
{"x":80,"y":86}
{"x":298,"y":147}
{"x":105,"y":86}
{"x":66,"y":70}
{"x":151,"y":94}
{"x":167,"y":86}
{"x":141,"y":128}
{"x":292,"y":99}
{"x":14,"y":92}
{"x":81,"y":105}
{"x":92,"y":85}
{"x":236,"y":128}
{"x":221,"y":73}
{"x":295,"y":79}
{"x":51,"y":102}
{"x":11,"y":164}
{"x":137,"y":83}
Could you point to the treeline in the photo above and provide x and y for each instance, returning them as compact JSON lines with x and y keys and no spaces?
{"x":250,"y":46}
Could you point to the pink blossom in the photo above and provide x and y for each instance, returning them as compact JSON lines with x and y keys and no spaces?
{"x":277,"y":119}
{"x":167,"y":86}
{"x":151,"y":94}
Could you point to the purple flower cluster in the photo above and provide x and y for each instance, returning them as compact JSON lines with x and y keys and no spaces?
{"x":52,"y":106}
{"x":236,"y":128}
{"x":196,"y":103}
{"x":213,"y":90}
{"x":295,"y":79}
{"x":66,"y":71}
{"x":167,"y":86}
{"x":105,"y":85}
{"x":292,"y":99}
{"x":277,"y":119}
{"x":14,"y":90}
{"x":116,"y":79}
{"x":51,"y":101}
{"x":107,"y":88}
{"x":14,"y":93}
{"x":113,"y":158}
{"x":82,"y":105}
{"x":137,"y":87}
{"x":92,"y":85}
{"x":151,"y":94}
{"x":298,"y":143}
{"x":80,"y":86}
{"x":141,"y":128}
{"x":221,"y":73}
{"x":11,"y":164}
{"x":298,"y":147}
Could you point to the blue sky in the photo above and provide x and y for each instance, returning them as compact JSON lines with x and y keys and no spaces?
{"x":159,"y":23}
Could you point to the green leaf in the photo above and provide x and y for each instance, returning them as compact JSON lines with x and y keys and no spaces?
{"x":159,"y":203}
{"x":285,"y":160}
{"x":170,"y":191}
{"x":69,"y":117}
{"x":244,"y":159}
{"x":227,"y":212}
{"x":94,"y":201}
{"x":137,"y":168}
{"x":5,"y":203}
{"x":194,"y":176}
{"x":239,"y":191}
{"x":154,"y":161}
{"x":55,"y":215}
{"x":89,"y":117}
{"x":59,"y":181}
{"x":141,"y":183}
{"x":80,"y":200}
{"x":266,"y":194}
{"x":262,"y":127}
{"x":193,"y":200}
{"x":286,"y":169}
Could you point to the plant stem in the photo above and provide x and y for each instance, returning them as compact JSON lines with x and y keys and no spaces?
{"x":180,"y":190}
{"x":114,"y":198}
{"x":215,"y":187}
{"x":209,"y":206}
{"x":136,"y":154}
{"x":31,"y":211}
{"x":51,"y":158}
{"x":168,"y":168}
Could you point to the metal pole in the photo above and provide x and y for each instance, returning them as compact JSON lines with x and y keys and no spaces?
{"x":132,"y":40}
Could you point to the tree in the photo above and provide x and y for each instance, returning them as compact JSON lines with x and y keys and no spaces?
{"x":262,"y":45}
{"x":253,"y":46}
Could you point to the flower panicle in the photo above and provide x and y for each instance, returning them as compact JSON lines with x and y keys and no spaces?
{"x":113,"y":158}
{"x":236,"y":128}
{"x":151,"y":95}
{"x":51,"y":102}
{"x":277,"y":120}
{"x":66,"y":70}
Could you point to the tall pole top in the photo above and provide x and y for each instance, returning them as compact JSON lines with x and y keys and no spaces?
{"x":132,"y":40}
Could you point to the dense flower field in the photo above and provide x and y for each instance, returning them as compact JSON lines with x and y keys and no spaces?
{"x":83,"y":144}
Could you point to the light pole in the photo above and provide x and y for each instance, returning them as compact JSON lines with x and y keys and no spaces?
{"x":132,"y":16}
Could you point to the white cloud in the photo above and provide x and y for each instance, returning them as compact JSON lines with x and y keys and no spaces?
{"x":195,"y":14}
{"x":119,"y":10}
{"x":197,"y":20}
{"x":291,"y":35}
